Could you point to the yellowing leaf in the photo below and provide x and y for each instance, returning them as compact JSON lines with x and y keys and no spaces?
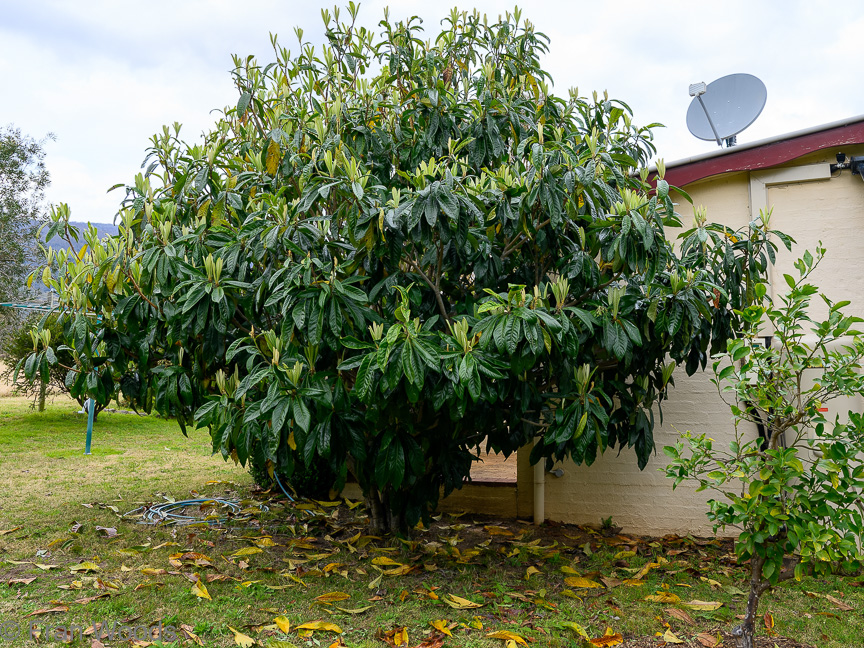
{"x":441,"y":625}
{"x":702,"y":605}
{"x":610,"y":638}
{"x":531,"y":571}
{"x":359,"y":610}
{"x":320,"y":625}
{"x":579,"y":581}
{"x":507,"y":636}
{"x":384,"y":560}
{"x":669,"y":637}
{"x":663,"y":597}
{"x":247,"y":551}
{"x":623,"y":554}
{"x":569,"y":570}
{"x":400,"y":637}
{"x":241,"y":639}
{"x":200,"y":590}
{"x":332,"y":597}
{"x":85,"y":567}
{"x":460,"y":603}
{"x":283,"y":624}
{"x":575,"y":627}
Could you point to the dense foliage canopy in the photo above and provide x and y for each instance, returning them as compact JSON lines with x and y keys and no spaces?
{"x":391,"y":251}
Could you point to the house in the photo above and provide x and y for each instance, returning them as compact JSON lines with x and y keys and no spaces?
{"x":812,"y":202}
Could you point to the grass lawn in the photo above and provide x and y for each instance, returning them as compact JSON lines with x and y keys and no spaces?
{"x":275,"y":566}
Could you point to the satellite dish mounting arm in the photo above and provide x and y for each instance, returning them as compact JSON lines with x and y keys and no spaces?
{"x":697,"y":90}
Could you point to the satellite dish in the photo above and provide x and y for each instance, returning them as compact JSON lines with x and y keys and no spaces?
{"x":725,"y":107}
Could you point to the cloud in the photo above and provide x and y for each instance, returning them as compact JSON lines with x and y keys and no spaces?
{"x":104,"y":76}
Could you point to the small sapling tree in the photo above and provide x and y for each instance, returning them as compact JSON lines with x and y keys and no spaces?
{"x":794,"y":489}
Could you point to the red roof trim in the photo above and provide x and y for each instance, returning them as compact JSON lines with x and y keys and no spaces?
{"x":769,"y":155}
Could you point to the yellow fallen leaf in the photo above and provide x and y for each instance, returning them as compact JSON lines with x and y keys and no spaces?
{"x":242,"y":640}
{"x":283,"y":624}
{"x":531,"y":571}
{"x":200,"y":590}
{"x":579,"y":581}
{"x":669,"y":637}
{"x":400,"y":637}
{"x":384,"y":560}
{"x":359,"y":610}
{"x":702,"y":605}
{"x":610,"y":638}
{"x":320,"y":625}
{"x":575,"y":627}
{"x":375,"y":582}
{"x":507,"y":636}
{"x":247,"y":551}
{"x":569,"y":570}
{"x":46,"y":567}
{"x":332,"y":597}
{"x":460,"y":603}
{"x":645,"y":569}
{"x":663,"y":597}
{"x":85,"y":567}
{"x":441,"y":625}
{"x":623,"y":554}
{"x":711,"y":582}
{"x":476,"y":623}
{"x":7,"y":531}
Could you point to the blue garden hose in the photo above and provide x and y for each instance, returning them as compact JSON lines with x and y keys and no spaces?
{"x":276,"y":477}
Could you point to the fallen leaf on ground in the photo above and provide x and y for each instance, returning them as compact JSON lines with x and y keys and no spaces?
{"x":839,"y":604}
{"x":575,"y":627}
{"x":680,"y":615}
{"x":54,"y":610}
{"x":669,"y":637}
{"x":7,"y":531}
{"x":332,"y":597}
{"x":707,"y":640}
{"x":460,"y":603}
{"x":704,"y":606}
{"x":610,"y":638}
{"x":200,"y":590}
{"x":85,"y":567}
{"x":508,"y":636}
{"x":241,"y":639}
{"x":769,"y":622}
{"x":396,"y":637}
{"x":21,"y":581}
{"x":442,"y":625}
{"x":663,"y":597}
{"x":247,"y":551}
{"x":325,"y":626}
{"x":579,"y":581}
{"x":359,"y":610}
{"x":283,"y":624}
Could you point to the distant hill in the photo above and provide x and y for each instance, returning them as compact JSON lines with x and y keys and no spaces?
{"x":104,"y":229}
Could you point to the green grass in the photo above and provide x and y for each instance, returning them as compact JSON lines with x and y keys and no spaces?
{"x":311,"y":550}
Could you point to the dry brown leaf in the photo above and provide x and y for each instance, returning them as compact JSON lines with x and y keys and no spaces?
{"x":54,"y":610}
{"x":7,"y":531}
{"x":839,"y":604}
{"x":21,"y":581}
{"x":707,"y":640}
{"x":680,"y":615}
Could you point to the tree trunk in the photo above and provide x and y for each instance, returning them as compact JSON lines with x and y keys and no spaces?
{"x":745,"y":632}
{"x":381,"y":519}
{"x":42,"y":389}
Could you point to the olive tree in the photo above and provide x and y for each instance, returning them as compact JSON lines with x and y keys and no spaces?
{"x":390,"y":251}
{"x":794,"y":491}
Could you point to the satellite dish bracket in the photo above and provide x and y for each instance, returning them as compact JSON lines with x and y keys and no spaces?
{"x":710,"y":121}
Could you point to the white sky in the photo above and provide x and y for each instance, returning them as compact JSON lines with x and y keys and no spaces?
{"x":103,"y":76}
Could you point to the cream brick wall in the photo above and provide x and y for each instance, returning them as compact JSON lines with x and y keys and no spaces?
{"x":643,"y":501}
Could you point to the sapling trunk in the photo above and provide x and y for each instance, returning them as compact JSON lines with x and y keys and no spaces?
{"x":745,"y":632}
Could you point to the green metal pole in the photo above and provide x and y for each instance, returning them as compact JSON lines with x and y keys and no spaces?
{"x":91,"y":409}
